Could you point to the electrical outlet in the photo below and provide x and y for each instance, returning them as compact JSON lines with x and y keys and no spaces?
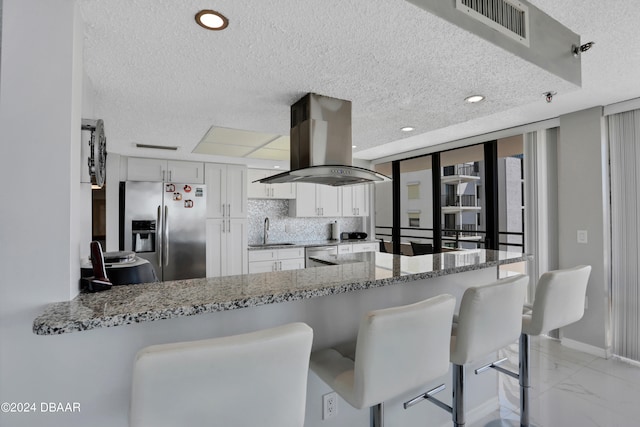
{"x":329,"y":405}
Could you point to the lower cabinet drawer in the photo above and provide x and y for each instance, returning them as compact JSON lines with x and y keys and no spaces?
{"x":364,"y":247}
{"x":345,"y":249}
{"x":262,"y":266}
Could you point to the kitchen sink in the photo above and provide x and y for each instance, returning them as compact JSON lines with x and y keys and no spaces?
{"x":268,"y":245}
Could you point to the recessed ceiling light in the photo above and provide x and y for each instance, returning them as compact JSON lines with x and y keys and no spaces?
{"x":212,"y":20}
{"x":277,"y":167}
{"x":407,"y":129}
{"x":354,"y":146}
{"x":474,"y":98}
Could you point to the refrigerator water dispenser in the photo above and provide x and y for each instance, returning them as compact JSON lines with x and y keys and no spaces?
{"x":143,"y":236}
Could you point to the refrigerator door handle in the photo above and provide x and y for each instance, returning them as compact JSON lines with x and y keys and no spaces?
{"x":159,"y":235}
{"x":166,"y":236}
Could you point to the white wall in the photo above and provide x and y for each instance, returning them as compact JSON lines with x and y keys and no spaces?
{"x":583,"y":202}
{"x":40,"y":231}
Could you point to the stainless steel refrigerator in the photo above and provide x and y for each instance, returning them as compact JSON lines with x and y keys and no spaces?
{"x":165,"y":223}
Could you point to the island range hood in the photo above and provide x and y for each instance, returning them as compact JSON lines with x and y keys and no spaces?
{"x":321,"y":145}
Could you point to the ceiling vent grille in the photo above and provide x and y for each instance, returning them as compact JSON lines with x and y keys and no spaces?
{"x":157,"y":147}
{"x":506,"y":16}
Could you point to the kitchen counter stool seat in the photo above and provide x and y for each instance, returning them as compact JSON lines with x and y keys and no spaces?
{"x":397,"y":350}
{"x":254,"y":379}
{"x":559,"y":301}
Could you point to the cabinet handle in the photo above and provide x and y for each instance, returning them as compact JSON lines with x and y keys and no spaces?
{"x":229,"y":226}
{"x":272,"y":192}
{"x":163,"y":174}
{"x":229,"y":210}
{"x":358,"y":211}
{"x":169,"y":176}
{"x":280,"y":265}
{"x":266,"y":190}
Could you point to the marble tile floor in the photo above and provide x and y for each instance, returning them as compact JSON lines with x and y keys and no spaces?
{"x":569,"y":388}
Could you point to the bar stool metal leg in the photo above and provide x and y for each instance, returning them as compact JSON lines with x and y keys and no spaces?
{"x":458,"y":396}
{"x":524,"y":380}
{"x":377,"y":415}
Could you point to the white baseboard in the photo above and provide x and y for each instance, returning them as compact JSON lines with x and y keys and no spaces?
{"x":586,"y":348}
{"x":479,"y":412}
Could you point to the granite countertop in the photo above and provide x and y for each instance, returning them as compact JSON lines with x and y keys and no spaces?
{"x":306,"y":243}
{"x":129,"y":304}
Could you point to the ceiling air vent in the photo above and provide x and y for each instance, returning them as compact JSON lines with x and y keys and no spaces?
{"x":157,"y":147}
{"x":506,"y":16}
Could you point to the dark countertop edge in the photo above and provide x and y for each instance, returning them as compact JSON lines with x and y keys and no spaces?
{"x":42,"y":328}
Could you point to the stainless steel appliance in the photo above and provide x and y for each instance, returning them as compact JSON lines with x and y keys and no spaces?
{"x":321,"y":150}
{"x":122,"y":268}
{"x":318,"y":251}
{"x":164,"y":223}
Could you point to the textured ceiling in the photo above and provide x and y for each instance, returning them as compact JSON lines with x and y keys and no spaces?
{"x":161,"y":79}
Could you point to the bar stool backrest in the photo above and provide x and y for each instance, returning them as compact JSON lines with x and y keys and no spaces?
{"x":254,"y":379}
{"x":402,"y":348}
{"x":490,"y":318}
{"x":559,"y":300}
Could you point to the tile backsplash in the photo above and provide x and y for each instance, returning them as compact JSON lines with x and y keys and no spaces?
{"x":283,"y":228}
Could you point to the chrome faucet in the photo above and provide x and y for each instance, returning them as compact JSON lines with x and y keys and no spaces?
{"x":266,"y":230}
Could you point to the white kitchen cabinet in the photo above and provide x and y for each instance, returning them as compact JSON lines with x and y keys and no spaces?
{"x":227,"y":190}
{"x":348,"y":248}
{"x":226,"y":246}
{"x":345,"y":249}
{"x":268,"y":191}
{"x":142,"y":169}
{"x":355,"y":200}
{"x":315,"y":200}
{"x":268,"y":260}
{"x":364,"y":247}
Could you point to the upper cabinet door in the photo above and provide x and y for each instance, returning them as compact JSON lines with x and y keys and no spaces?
{"x":139,"y":169}
{"x":305,"y":203}
{"x":157,"y":170}
{"x":355,"y":200}
{"x":268,"y":191}
{"x":187,"y":172}
{"x":216,"y":181}
{"x":361,"y":199}
{"x":329,"y":200}
{"x":236,"y":197}
{"x":283,"y":191}
{"x":255,"y":189}
{"x":227,"y":188}
{"x":348,"y":208}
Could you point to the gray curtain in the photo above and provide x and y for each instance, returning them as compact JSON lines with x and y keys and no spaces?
{"x":624,"y":145}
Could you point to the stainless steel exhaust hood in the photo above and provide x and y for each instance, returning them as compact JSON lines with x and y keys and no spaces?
{"x":321,"y":145}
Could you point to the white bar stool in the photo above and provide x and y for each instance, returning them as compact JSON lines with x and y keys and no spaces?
{"x":397,"y":349}
{"x":559,"y":301}
{"x":488,"y":320}
{"x":254,"y":379}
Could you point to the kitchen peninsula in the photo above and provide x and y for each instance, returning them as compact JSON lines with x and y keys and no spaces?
{"x":331,"y":299}
{"x":352,"y":272}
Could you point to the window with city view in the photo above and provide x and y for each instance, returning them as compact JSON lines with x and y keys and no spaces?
{"x":464,"y":212}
